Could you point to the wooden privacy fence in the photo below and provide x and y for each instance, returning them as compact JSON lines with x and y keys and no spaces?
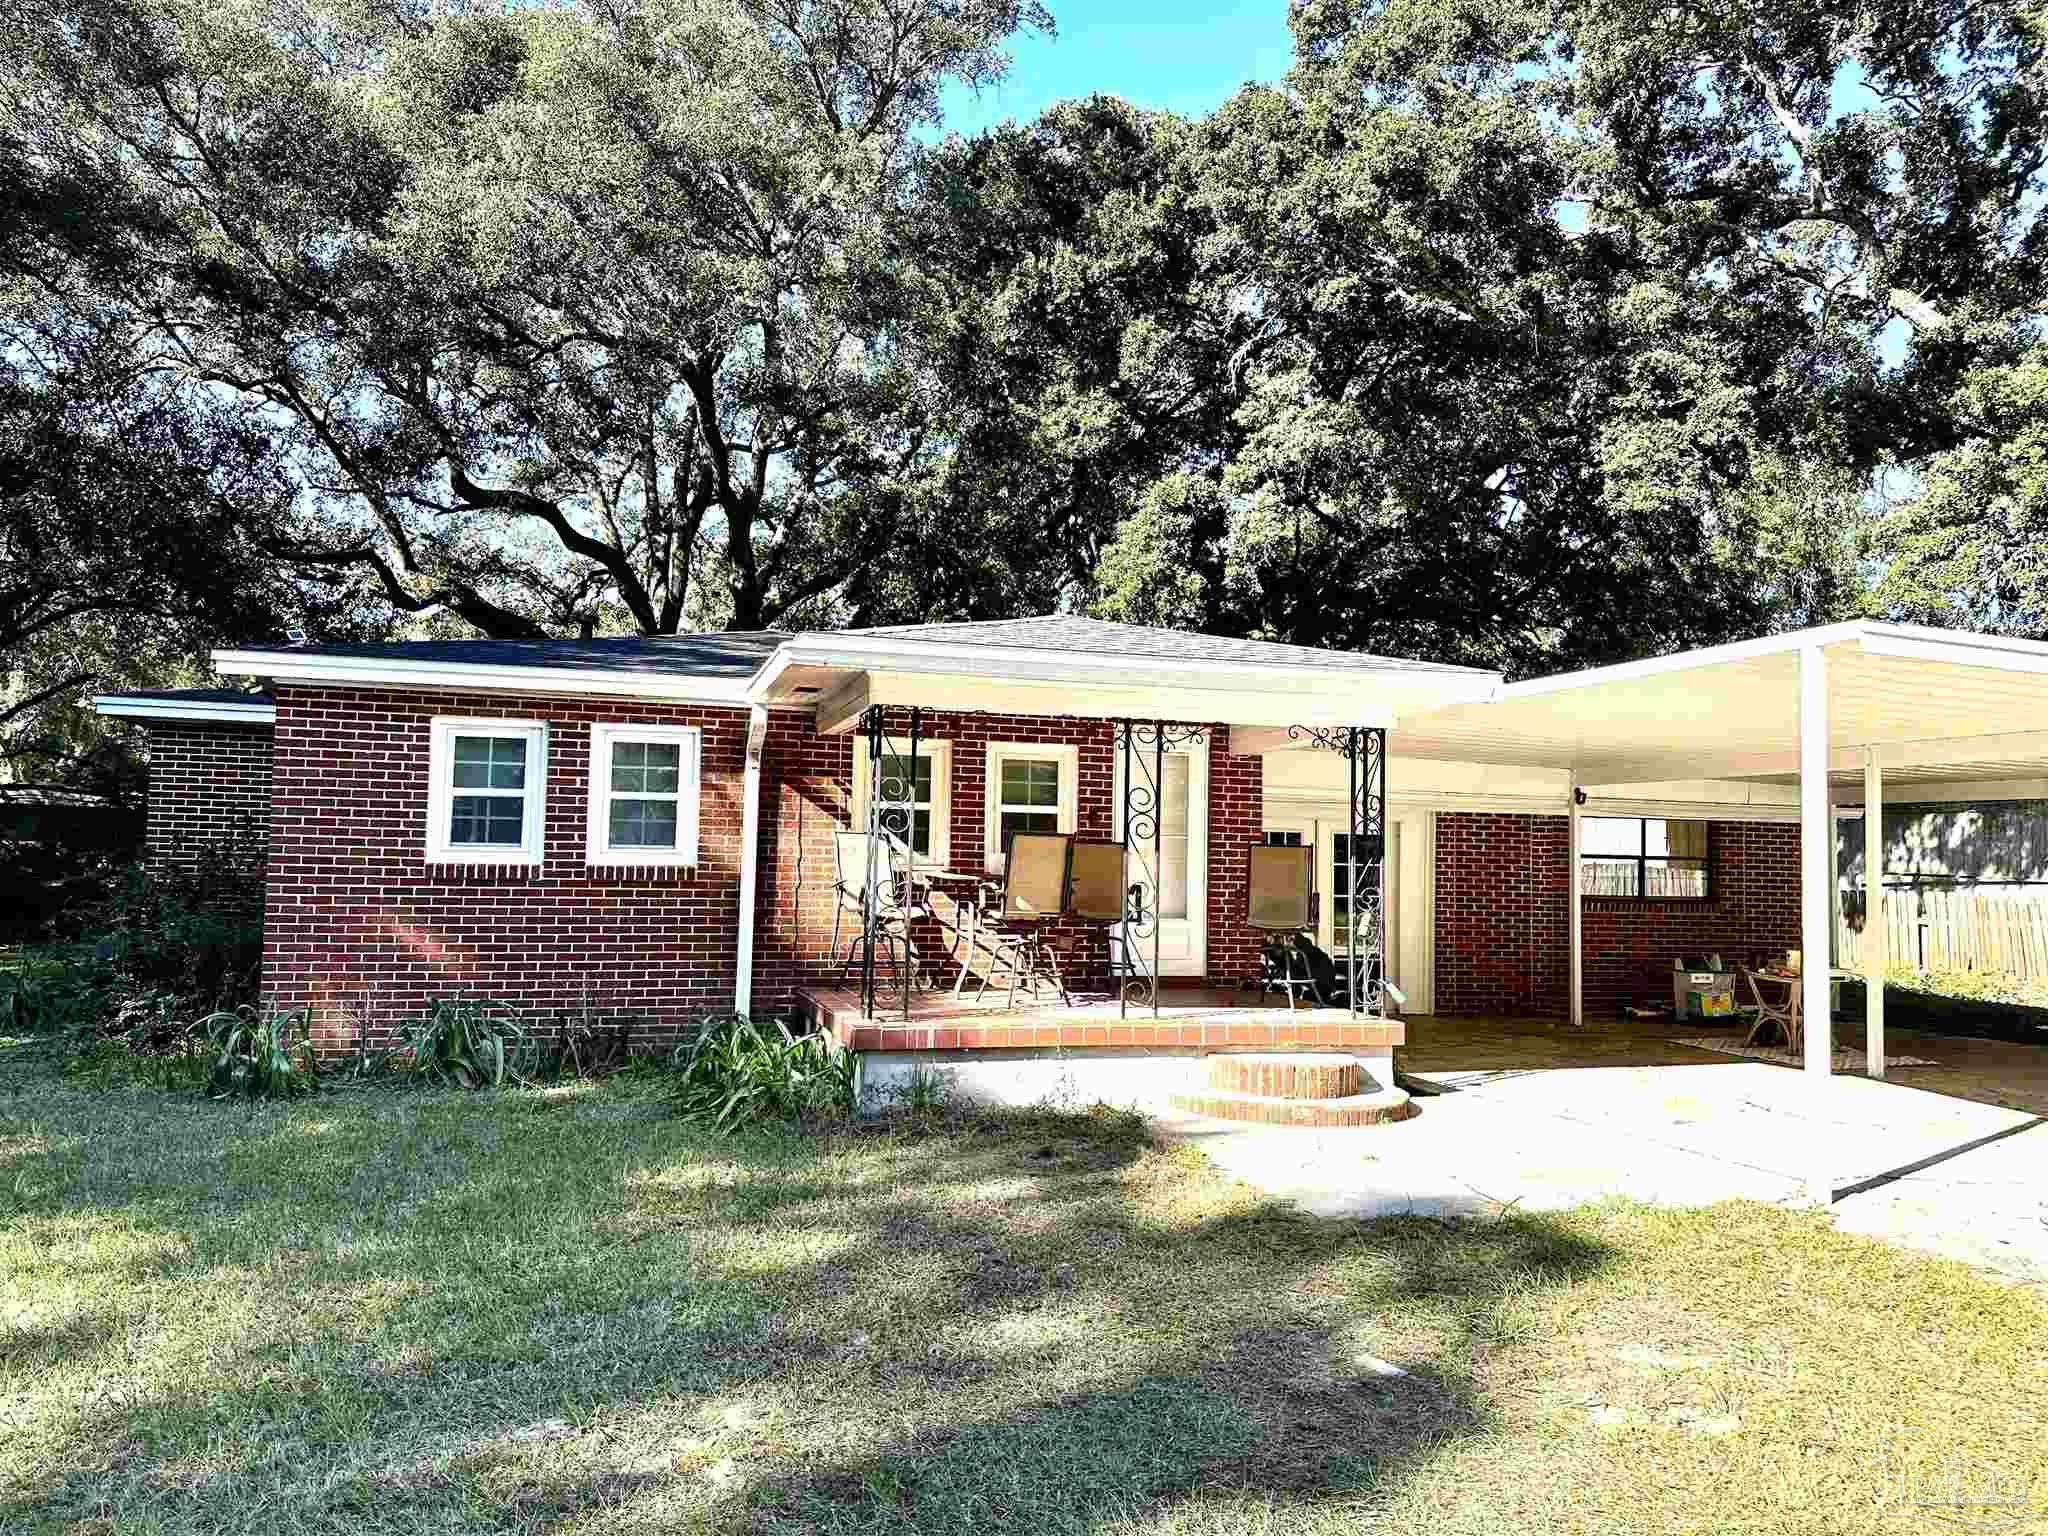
{"x":1954,"y":928}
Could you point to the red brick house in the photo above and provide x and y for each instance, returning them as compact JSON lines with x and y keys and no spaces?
{"x":647,"y":825}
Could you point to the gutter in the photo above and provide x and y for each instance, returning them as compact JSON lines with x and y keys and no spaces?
{"x":351,"y":671}
{"x":124,"y":707}
{"x":750,"y":858}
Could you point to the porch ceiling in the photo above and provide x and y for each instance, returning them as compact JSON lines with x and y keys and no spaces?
{"x":1939,"y":706}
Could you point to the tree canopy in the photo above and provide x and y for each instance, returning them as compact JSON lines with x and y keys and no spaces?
{"x":1521,"y":335}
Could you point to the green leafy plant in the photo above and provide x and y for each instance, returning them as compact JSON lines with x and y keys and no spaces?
{"x":260,"y":1055}
{"x":465,"y":1042}
{"x":734,"y":1071}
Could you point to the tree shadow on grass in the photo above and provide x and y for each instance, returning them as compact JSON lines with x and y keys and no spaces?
{"x":1038,"y":1326}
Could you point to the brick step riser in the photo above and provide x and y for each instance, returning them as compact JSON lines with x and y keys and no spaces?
{"x":1294,"y":1112}
{"x":1337,"y":1079}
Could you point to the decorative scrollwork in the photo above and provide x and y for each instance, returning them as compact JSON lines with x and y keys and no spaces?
{"x":1365,"y":757}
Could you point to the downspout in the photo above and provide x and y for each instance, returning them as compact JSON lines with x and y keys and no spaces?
{"x":750,"y":858}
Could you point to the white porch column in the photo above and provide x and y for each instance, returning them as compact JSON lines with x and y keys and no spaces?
{"x":1876,"y":934}
{"x":750,"y":858}
{"x":1816,"y":859}
{"x":1576,"y":925}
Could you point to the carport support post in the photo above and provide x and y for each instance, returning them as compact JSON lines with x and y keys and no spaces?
{"x":1576,"y":924}
{"x":1876,"y":932}
{"x":1816,"y":858}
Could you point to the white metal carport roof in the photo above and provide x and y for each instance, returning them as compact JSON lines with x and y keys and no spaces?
{"x":1935,"y":704}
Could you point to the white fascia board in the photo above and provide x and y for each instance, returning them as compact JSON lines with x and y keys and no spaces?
{"x":2000,"y":652}
{"x":355,"y":671}
{"x":123,"y":707}
{"x":1687,"y":661}
{"x":1024,"y":664}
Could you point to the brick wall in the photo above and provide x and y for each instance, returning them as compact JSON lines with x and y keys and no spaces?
{"x":1502,"y":935}
{"x":360,"y":927}
{"x":209,"y":787}
{"x":1501,"y":923}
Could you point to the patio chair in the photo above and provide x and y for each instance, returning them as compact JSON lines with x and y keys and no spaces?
{"x":1783,"y":1016}
{"x":1097,"y":891}
{"x":1281,"y":901}
{"x":850,"y":893}
{"x":1034,"y":894}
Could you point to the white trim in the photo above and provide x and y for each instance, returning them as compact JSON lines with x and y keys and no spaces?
{"x":127,"y":707}
{"x":1816,"y":885}
{"x":940,"y":754}
{"x":1876,"y":935}
{"x":1575,"y":925}
{"x":297,"y":667}
{"x":532,"y":847}
{"x":1066,"y":754}
{"x":597,"y":849}
{"x":750,"y":859}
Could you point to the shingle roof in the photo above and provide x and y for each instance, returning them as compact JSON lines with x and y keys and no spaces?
{"x":1065,"y":632}
{"x":730,"y":653}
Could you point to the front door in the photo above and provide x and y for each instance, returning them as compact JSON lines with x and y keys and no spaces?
{"x":1173,"y":869}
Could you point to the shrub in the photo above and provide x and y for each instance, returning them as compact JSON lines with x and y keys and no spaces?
{"x":735,"y":1071}
{"x":260,"y":1056}
{"x":469,"y":1042}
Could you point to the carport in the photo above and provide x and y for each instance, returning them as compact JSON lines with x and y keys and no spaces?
{"x":1825,"y":709}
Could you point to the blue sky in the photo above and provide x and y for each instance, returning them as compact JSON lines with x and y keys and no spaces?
{"x":1185,"y":57}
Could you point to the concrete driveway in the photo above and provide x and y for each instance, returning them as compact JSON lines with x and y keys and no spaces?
{"x":1937,"y":1173}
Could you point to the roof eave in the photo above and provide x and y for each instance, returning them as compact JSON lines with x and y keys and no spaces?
{"x":128,"y":707}
{"x":383,"y":672}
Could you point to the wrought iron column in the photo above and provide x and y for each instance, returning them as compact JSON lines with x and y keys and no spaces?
{"x":892,"y":816}
{"x":1365,"y":759}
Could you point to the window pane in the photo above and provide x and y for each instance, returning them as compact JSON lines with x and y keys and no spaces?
{"x":1031,"y":781}
{"x":490,"y":762}
{"x":664,"y":767}
{"x":1026,"y":821}
{"x":643,"y":823}
{"x":1609,"y":877}
{"x":1283,"y":839}
{"x":629,"y":767}
{"x":896,"y":776}
{"x":1607,"y":836}
{"x":1676,"y":880}
{"x":1173,"y":838}
{"x":487,"y":820}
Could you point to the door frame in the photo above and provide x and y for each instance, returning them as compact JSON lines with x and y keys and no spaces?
{"x":1407,"y":887}
{"x":1184,"y":945}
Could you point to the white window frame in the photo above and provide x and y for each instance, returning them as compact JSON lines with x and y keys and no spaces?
{"x":941,"y":755}
{"x":441,"y":792}
{"x":1068,"y":756}
{"x":689,"y":794}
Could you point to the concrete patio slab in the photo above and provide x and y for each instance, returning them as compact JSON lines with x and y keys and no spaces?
{"x":1943,"y":1174}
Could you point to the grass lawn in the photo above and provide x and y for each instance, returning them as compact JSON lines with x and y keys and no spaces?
{"x":383,"y":1312}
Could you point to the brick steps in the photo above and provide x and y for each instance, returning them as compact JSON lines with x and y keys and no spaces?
{"x":1299,"y":1088}
{"x":1357,"y":1109}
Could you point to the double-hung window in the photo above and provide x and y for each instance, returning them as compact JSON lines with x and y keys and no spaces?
{"x":1648,"y":858}
{"x":1031,"y":788}
{"x":644,"y":782}
{"x":486,"y":799}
